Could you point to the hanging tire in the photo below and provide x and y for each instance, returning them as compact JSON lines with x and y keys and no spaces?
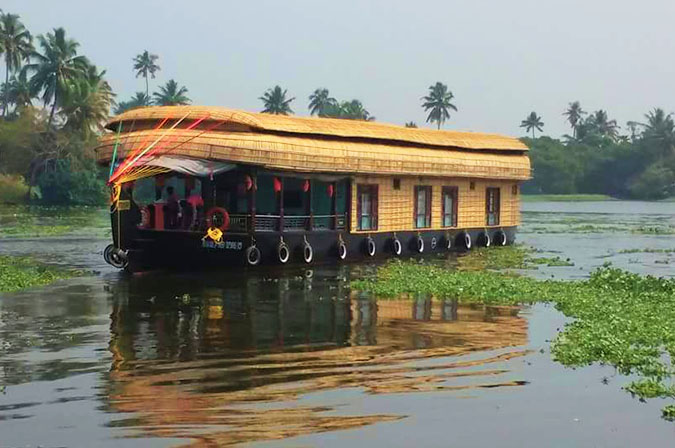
{"x":106,"y":253}
{"x":434,"y":243}
{"x":342,"y":250}
{"x":370,"y":247}
{"x":283,"y":252}
{"x":253,"y":256}
{"x":499,"y":238}
{"x":420,"y":244}
{"x":464,"y":240}
{"x":118,"y":258}
{"x":483,"y":239}
{"x":307,"y":253}
{"x":398,"y":248}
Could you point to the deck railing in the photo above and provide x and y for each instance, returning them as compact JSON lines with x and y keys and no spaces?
{"x":272,"y":223}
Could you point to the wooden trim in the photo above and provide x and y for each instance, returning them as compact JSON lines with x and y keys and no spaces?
{"x":454,"y":192}
{"x":280,"y":202}
{"x":372,"y":190}
{"x":427,"y":209}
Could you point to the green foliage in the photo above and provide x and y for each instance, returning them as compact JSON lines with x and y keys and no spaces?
{"x":276,"y":102}
{"x":171,"y":94}
{"x":146,"y":64}
{"x":13,"y":189}
{"x":23,"y":272}
{"x":438,"y":102}
{"x":61,"y":184}
{"x":621,"y":319}
{"x":532,"y":122}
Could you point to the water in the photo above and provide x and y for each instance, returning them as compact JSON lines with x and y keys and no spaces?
{"x":292,"y":357}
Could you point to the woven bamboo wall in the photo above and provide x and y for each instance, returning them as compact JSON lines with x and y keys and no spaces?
{"x":396,"y":207}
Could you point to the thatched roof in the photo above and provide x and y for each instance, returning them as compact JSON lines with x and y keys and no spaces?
{"x":326,"y":128}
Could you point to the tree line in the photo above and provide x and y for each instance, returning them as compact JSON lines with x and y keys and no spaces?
{"x":597,"y":157}
{"x":54,"y":101}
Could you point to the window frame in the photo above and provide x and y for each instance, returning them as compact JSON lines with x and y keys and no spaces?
{"x":496,"y":191}
{"x":371,"y":189}
{"x":454,"y":192}
{"x":427,"y":213}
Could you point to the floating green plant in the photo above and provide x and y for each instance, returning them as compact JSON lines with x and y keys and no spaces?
{"x":24,"y":272}
{"x":620,"y":319}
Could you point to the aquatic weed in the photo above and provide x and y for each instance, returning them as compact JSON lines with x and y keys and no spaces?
{"x":620,"y":319}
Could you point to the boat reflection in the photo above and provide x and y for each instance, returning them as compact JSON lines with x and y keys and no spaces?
{"x":225,"y":360}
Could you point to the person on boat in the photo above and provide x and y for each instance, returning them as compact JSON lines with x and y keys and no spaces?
{"x":172,"y":208}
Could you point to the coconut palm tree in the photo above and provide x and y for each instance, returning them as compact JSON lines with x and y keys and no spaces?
{"x":275,"y":101}
{"x":18,"y":90}
{"x":438,"y":103}
{"x":532,"y":122}
{"x":86,"y":102}
{"x":145,"y":64}
{"x":140,"y":99}
{"x":574,"y":114}
{"x":171,"y":94}
{"x":602,"y":125}
{"x":354,"y":110}
{"x":660,"y":127}
{"x":56,"y":67}
{"x":17,"y":45}
{"x":320,"y":101}
{"x":410,"y":124}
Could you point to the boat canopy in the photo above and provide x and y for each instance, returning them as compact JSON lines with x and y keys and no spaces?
{"x":309,"y":145}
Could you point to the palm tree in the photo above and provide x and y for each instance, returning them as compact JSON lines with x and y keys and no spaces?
{"x":410,"y":124}
{"x":145,"y":65}
{"x":171,"y":94}
{"x":532,"y":122}
{"x":660,"y":127}
{"x":86,"y":102}
{"x":18,"y":91}
{"x":354,"y":110}
{"x":140,"y":99}
{"x":56,"y":67}
{"x":438,"y":101}
{"x":574,"y":115}
{"x":17,"y":44}
{"x":600,"y":123}
{"x":320,"y":101}
{"x":275,"y":101}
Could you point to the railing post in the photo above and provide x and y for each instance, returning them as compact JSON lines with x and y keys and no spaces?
{"x":310,"y":222}
{"x":281,"y":205}
{"x":333,"y":206}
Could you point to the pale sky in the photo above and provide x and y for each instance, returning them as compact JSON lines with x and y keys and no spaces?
{"x":501,"y":59}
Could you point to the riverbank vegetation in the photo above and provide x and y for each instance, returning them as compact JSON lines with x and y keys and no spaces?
{"x":598,"y":159}
{"x":620,"y":319}
{"x":24,"y":272}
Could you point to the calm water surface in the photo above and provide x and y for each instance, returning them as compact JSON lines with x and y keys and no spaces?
{"x":294,"y":358}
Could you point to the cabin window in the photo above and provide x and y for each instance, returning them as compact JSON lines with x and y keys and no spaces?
{"x":472,"y":186}
{"x":514,"y":190}
{"x":492,"y":206}
{"x":422,"y":206}
{"x":449,"y":206}
{"x":397,"y":183}
{"x":367,"y":207}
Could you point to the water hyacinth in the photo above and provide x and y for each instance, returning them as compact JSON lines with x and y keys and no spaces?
{"x":619,"y":318}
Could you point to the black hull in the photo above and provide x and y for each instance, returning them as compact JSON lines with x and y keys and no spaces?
{"x":152,"y":249}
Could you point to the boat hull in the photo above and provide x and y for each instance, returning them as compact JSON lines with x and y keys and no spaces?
{"x":153,"y":249}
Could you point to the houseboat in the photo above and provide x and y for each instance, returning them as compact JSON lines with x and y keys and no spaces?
{"x":208,"y":186}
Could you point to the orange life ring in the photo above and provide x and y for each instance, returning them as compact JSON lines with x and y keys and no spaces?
{"x":212,"y":213}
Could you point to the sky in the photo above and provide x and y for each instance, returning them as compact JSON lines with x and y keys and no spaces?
{"x":501,"y":59}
